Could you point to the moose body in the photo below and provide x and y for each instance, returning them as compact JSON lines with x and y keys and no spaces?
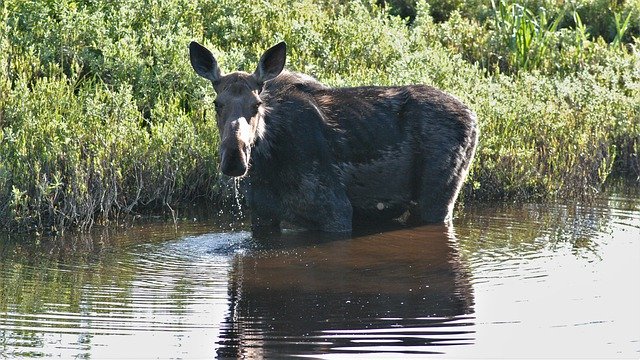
{"x":323,"y":157}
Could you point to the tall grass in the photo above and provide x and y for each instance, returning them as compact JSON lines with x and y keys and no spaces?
{"x":621,"y":27}
{"x":102,"y":117}
{"x":526,"y":33}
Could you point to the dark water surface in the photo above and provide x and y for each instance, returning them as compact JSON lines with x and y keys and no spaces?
{"x":517,"y":280}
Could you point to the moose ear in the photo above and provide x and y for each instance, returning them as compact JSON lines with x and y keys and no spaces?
{"x":203,"y":62}
{"x":271,"y":63}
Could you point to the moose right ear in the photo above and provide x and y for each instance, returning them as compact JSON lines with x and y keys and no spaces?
{"x":203,"y":62}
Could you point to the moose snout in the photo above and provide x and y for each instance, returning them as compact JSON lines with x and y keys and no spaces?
{"x":233,"y":163}
{"x":235,"y":149}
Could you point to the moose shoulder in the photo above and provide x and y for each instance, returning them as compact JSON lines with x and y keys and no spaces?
{"x":323,"y":157}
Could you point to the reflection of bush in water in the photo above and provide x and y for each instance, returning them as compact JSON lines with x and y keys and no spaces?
{"x":38,"y":275}
{"x":68,"y":274}
{"x":516,"y":229}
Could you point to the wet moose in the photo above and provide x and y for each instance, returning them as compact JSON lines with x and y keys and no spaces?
{"x":323,"y":158}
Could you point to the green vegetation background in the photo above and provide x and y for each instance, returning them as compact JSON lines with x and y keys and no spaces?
{"x":102,"y":116}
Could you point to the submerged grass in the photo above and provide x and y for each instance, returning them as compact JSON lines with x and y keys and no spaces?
{"x":102,"y":117}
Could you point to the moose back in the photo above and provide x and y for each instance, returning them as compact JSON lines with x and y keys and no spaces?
{"x":324,"y":158}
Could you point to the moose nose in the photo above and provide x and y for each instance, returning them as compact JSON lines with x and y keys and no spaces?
{"x":235,"y":148}
{"x":234,"y":170}
{"x":232,"y":163}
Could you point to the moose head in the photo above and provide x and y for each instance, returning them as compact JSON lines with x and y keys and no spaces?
{"x":239,"y":108}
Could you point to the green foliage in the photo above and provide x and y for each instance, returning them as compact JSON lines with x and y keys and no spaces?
{"x":526,"y":33}
{"x":96,"y":114}
{"x":621,"y":28}
{"x":599,"y":14}
{"x":102,"y":116}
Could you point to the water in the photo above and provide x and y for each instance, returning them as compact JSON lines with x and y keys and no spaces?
{"x":508,"y":280}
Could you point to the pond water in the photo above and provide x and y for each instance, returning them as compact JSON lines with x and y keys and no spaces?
{"x":507,"y":280}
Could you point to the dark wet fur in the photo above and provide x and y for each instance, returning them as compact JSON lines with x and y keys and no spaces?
{"x":330,"y":157}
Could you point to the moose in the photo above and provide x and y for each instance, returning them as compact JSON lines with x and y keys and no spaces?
{"x":325,"y":158}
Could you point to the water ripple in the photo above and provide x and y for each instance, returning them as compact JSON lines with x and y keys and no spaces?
{"x":511,"y":280}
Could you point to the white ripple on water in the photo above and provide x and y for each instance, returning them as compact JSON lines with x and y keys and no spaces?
{"x":175,"y":296}
{"x":575,"y":296}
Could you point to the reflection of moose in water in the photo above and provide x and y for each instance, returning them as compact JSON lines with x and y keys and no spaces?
{"x":320,"y":157}
{"x":403,"y":288}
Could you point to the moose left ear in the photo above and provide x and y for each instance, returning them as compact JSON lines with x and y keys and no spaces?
{"x":271,"y":63}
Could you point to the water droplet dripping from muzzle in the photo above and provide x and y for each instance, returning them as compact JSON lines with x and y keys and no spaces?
{"x":237,"y":212}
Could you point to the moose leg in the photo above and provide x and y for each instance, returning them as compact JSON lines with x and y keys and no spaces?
{"x":264,"y":225}
{"x":321,"y":203}
{"x":440,"y":178}
{"x":339,"y":213}
{"x":264,"y":206}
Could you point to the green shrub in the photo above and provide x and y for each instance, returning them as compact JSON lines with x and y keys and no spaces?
{"x":102,"y":116}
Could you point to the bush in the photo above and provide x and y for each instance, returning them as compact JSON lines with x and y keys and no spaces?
{"x":102,"y":116}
